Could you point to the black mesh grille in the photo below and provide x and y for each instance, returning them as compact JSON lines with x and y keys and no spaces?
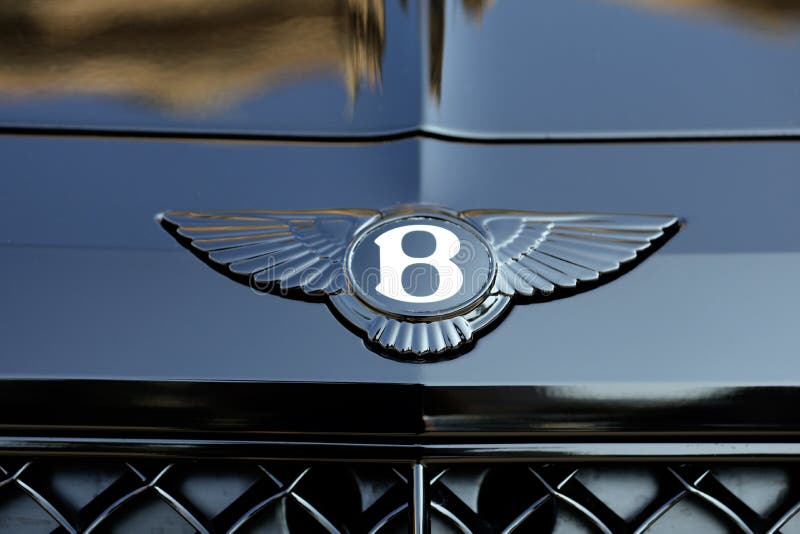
{"x":80,"y":495}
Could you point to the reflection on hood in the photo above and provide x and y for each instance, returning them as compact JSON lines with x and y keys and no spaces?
{"x":759,"y":13}
{"x":185,"y":54}
{"x":199,"y":55}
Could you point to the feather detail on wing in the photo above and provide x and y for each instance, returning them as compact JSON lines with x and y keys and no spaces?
{"x":270,"y":250}
{"x":542,"y":252}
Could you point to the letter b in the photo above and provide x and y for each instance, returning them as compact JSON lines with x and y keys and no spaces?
{"x":394,"y":262}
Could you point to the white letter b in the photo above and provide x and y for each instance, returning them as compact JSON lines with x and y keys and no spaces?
{"x":394,"y":262}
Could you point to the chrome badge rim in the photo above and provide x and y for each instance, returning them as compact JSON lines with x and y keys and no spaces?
{"x":475,"y":247}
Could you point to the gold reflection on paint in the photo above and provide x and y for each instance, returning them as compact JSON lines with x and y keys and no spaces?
{"x":199,"y":55}
{"x":436,"y":10}
{"x":188,"y":55}
{"x":763,"y":14}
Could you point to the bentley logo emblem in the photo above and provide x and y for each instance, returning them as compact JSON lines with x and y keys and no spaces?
{"x":419,"y":282}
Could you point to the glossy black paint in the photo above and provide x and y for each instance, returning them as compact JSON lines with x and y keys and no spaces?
{"x":518,"y":69}
{"x":579,"y":68}
{"x":353,"y":450}
{"x":403,"y":415}
{"x":113,"y":340}
{"x":303,"y":67}
{"x":93,"y":288}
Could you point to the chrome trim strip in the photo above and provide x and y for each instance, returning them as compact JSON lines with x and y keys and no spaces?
{"x":420,"y":453}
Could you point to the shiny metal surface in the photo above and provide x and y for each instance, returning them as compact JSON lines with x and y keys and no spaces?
{"x":85,"y":494}
{"x":332,"y":255}
{"x":602,"y":69}
{"x":91,"y":495}
{"x":270,"y":250}
{"x":132,"y":308}
{"x":304,"y":66}
{"x":474,"y":69}
{"x":664,"y":399}
{"x":356,"y":451}
{"x":420,"y":519}
{"x":507,"y":420}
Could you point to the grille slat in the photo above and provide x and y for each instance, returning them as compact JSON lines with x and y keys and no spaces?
{"x":59,"y":494}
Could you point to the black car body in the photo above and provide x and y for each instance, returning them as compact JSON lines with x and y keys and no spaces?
{"x":142,"y":390}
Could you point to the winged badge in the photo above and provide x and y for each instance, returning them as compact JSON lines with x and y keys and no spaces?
{"x":419,"y":283}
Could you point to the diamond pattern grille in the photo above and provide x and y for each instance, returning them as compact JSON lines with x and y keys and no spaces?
{"x":58,"y":495}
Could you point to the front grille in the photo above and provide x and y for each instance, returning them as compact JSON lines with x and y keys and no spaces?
{"x":71,"y":494}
